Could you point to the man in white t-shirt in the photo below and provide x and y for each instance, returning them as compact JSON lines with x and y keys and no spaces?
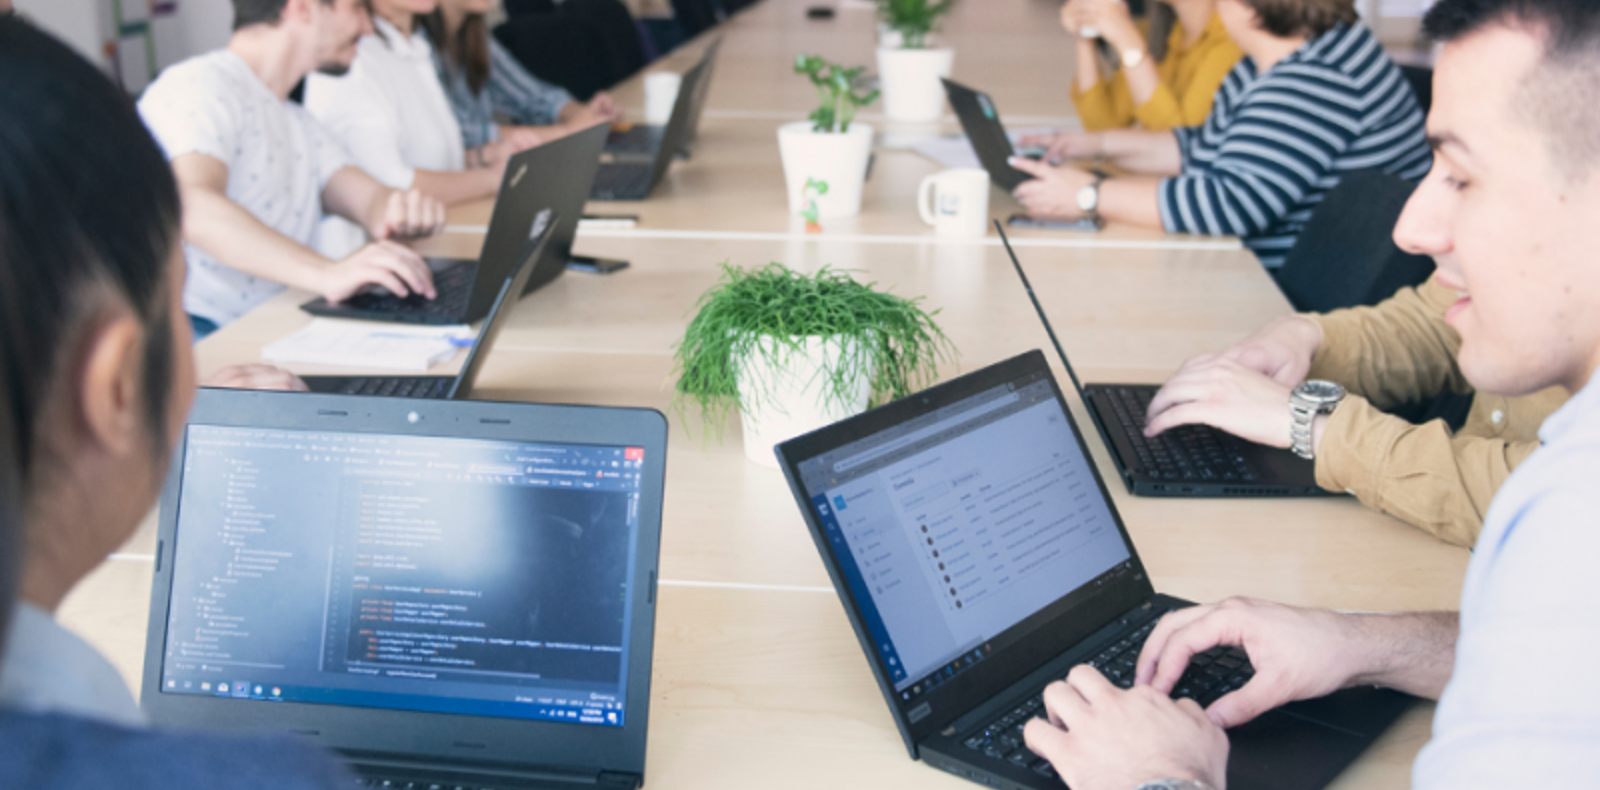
{"x":257,"y":172}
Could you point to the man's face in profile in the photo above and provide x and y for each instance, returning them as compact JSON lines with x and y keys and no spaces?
{"x":340,"y":26}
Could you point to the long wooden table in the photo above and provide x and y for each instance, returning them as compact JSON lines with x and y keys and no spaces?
{"x":758,"y":677}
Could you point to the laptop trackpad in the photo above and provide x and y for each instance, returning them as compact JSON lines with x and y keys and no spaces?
{"x":1307,"y":744}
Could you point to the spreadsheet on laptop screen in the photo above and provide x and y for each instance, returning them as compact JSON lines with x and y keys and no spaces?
{"x":417,"y":573}
{"x":957,"y":525}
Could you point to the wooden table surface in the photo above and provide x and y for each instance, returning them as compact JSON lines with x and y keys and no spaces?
{"x":758,"y":676}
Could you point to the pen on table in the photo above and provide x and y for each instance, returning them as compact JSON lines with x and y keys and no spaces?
{"x":458,"y":342}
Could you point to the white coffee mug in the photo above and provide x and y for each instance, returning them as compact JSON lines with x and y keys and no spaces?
{"x":956,"y":202}
{"x":660,"y":93}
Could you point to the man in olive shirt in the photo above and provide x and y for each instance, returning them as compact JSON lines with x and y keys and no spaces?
{"x":1399,"y":352}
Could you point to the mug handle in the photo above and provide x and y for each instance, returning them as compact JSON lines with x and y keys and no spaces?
{"x":924,"y":197}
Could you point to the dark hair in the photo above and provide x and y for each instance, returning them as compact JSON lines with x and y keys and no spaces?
{"x":259,"y":12}
{"x":88,"y":211}
{"x":468,"y":51}
{"x":1309,"y":18}
{"x":1562,"y":94}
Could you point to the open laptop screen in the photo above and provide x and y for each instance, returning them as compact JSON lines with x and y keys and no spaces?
{"x":955,"y":526}
{"x":433,"y":574}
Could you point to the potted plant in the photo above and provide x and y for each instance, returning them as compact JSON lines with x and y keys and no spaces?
{"x":908,"y":69}
{"x":794,"y":352}
{"x":825,"y":158}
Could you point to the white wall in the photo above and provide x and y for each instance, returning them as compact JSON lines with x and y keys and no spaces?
{"x":178,"y":29}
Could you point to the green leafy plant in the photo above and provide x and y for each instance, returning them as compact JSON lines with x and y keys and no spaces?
{"x":771,"y":312}
{"x":913,"y":19}
{"x":838,"y":91}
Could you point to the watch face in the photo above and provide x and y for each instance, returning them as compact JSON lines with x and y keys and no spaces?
{"x":1088,"y":198}
{"x":1321,"y":391}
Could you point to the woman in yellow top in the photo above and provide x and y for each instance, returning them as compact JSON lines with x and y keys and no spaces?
{"x":1176,"y":91}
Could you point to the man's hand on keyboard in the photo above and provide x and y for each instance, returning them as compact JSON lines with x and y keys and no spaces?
{"x":1100,"y":737}
{"x":1223,"y":393}
{"x":1281,"y":349}
{"x":1297,"y":653}
{"x":385,"y":263}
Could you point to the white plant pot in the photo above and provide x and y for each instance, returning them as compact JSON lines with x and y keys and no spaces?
{"x":909,"y":79}
{"x":785,"y":400}
{"x":889,"y":38}
{"x":836,"y":159}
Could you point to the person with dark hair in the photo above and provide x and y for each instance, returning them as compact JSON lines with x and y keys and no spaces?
{"x":485,"y":82}
{"x":99,"y":372}
{"x":1166,"y":74}
{"x":257,"y":172}
{"x":1314,"y":98}
{"x":1507,"y":211}
{"x":391,"y":113}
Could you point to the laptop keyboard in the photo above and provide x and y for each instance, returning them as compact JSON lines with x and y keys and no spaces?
{"x":1189,"y":452}
{"x":637,"y":140}
{"x":454,"y":288}
{"x":432,"y":388}
{"x":1210,"y":675}
{"x":622,"y":181}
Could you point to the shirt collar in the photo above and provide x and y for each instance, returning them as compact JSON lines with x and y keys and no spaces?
{"x":415,"y":46}
{"x":1566,"y":418}
{"x":48,"y":669}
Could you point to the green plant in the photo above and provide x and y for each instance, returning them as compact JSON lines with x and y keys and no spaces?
{"x":837,"y":90}
{"x":913,"y":19}
{"x":772,"y":310}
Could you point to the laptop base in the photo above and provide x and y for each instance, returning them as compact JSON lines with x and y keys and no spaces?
{"x":1300,"y":746}
{"x":453,"y":279}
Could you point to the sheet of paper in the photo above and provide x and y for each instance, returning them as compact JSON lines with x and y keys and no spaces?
{"x":957,"y":152}
{"x":369,"y":344}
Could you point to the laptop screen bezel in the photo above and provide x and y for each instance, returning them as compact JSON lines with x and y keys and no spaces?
{"x":428,"y":738}
{"x":1050,"y":633}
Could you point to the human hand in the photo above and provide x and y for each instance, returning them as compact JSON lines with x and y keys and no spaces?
{"x":409,"y":215}
{"x":513,"y":140}
{"x":1215,"y":390}
{"x":603,"y":107}
{"x":1111,"y":20}
{"x":1072,"y":16}
{"x":1062,"y":146}
{"x":1053,"y":191}
{"x":1282,"y":349}
{"x":385,"y":263}
{"x":255,"y":377}
{"x":1100,"y":737}
{"x":1297,"y":653}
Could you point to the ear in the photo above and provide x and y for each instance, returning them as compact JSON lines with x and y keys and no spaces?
{"x":109,"y":384}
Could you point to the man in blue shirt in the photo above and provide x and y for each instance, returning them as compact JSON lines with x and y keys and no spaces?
{"x":1507,"y":212}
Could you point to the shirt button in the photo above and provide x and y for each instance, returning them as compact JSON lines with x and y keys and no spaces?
{"x":1497,"y":417}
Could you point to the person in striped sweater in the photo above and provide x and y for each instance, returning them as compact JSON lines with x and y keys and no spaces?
{"x":1314,"y":97}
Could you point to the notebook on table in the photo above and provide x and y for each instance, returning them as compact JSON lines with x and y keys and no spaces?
{"x":555,"y":176}
{"x":1186,"y":461}
{"x":979,"y":557}
{"x":453,"y":593}
{"x":459,"y":386}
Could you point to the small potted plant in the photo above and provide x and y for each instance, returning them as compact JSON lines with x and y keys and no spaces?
{"x":825,"y":158}
{"x":794,"y":352}
{"x":908,"y":69}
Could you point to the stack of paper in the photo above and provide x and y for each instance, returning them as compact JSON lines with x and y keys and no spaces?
{"x":366,"y":344}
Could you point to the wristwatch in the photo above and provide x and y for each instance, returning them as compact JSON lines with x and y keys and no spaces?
{"x":1131,"y":58}
{"x":1308,"y":400}
{"x":1174,"y":784}
{"x":1089,"y":196}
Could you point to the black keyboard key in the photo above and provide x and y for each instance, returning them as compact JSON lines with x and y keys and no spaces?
{"x":1043,"y":768}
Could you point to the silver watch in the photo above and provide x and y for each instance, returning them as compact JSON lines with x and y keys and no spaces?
{"x":1174,"y":784}
{"x":1088,"y":198}
{"x":1308,"y":400}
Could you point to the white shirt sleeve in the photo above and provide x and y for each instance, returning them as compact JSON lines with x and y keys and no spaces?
{"x":326,"y":150}
{"x":357,"y":114}
{"x":193,"y":112}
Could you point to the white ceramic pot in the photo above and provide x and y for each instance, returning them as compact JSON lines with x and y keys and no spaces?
{"x":838,"y":160}
{"x":784,"y":394}
{"x":909,"y":79}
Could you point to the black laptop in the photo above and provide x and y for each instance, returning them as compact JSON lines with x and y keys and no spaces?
{"x":452,"y":594}
{"x":459,"y":386}
{"x":980,"y":121}
{"x":979,"y":557}
{"x":1187,"y":461}
{"x":632,"y":174}
{"x":642,"y":138}
{"x":556,"y":176}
